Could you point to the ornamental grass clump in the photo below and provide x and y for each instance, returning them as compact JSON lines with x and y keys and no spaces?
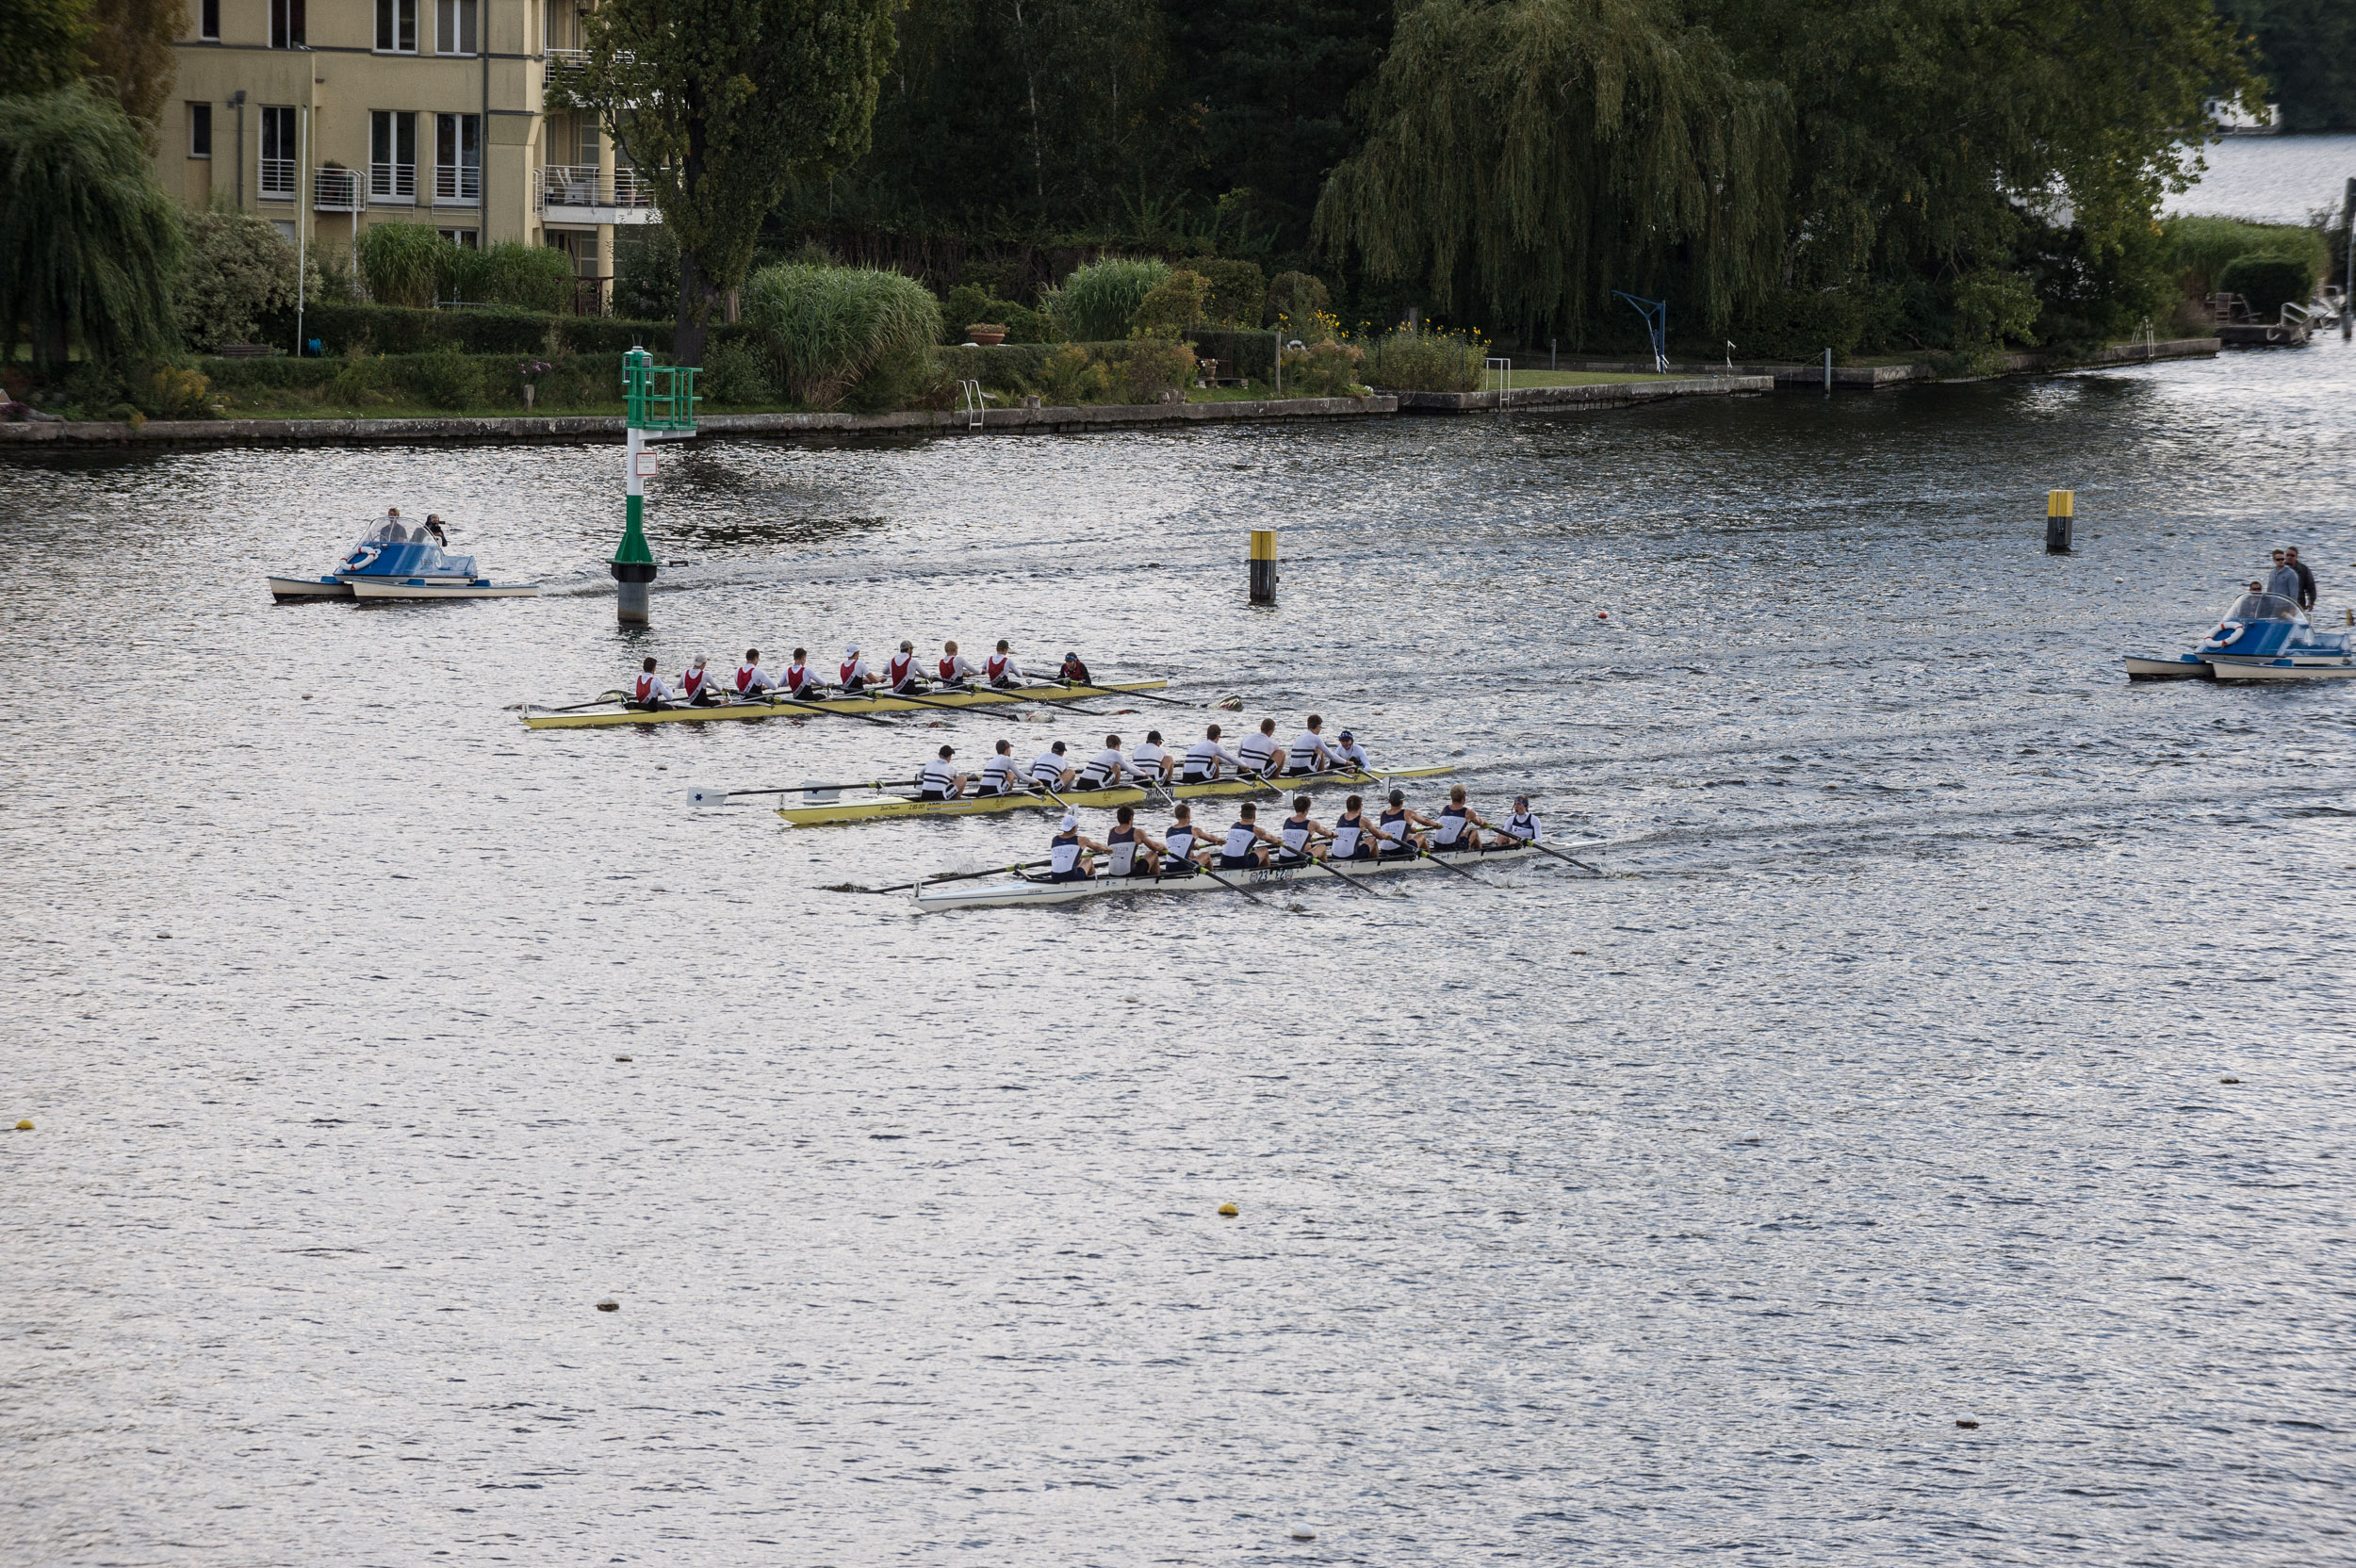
{"x":400,"y":263}
{"x":1098,"y":303}
{"x":2202,"y":248}
{"x":1424,"y":359}
{"x":827,"y":328}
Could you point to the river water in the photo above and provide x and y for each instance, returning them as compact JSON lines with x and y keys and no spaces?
{"x":1959,"y":1035}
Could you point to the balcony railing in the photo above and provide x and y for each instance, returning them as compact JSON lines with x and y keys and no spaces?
{"x":278,"y":179}
{"x":393,"y":182}
{"x":565,"y":60}
{"x":579,"y":185}
{"x":337,"y":191}
{"x":460,"y":184}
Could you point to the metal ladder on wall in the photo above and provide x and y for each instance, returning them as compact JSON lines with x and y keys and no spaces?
{"x":970,"y":399}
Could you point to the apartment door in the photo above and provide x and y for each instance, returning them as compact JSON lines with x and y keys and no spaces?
{"x":458,"y":158}
{"x":277,"y":168}
{"x":393,"y":155}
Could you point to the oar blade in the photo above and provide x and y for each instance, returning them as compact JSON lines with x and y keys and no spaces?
{"x":707,"y":797}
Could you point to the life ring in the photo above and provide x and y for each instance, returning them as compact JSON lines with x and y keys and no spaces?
{"x":360,"y":560}
{"x":2226,"y":636}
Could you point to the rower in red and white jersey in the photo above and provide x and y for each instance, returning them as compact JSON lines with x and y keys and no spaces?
{"x":1260,"y":753}
{"x":1150,"y":760}
{"x":900,"y":669}
{"x":695,"y":686}
{"x":956,"y":668}
{"x":651,"y":693}
{"x":1105,"y":768}
{"x":856,"y":673}
{"x":800,"y":680}
{"x":1309,"y":753}
{"x":1205,"y":758}
{"x":750,"y":677}
{"x":1002,"y":670}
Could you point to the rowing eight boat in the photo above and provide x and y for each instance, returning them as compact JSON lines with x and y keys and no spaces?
{"x":1126,"y":795}
{"x":1039,"y":890}
{"x":760,"y":708}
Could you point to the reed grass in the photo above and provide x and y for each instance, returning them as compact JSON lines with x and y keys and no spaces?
{"x":829,"y":327}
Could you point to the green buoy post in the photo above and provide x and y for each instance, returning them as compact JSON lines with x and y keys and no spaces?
{"x":660,"y":399}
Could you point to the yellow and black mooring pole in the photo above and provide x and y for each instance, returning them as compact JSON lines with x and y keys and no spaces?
{"x":2059,"y":504}
{"x":1263,"y":565}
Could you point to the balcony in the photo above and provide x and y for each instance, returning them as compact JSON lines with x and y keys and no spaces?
{"x":337,"y":191}
{"x":395,"y":182}
{"x":565,"y":59}
{"x":575,"y":192}
{"x":457,"y":184}
{"x":277,"y":179}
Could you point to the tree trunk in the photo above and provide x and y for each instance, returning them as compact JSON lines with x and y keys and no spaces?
{"x":694,"y":309}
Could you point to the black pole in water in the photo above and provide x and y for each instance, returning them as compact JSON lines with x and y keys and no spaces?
{"x":2348,"y":285}
{"x":2059,"y":504}
{"x":1263,"y":565}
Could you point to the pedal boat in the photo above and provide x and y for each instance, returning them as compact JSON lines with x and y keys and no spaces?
{"x":2262,"y":637}
{"x":383,"y":566}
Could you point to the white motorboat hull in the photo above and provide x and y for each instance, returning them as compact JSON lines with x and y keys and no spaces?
{"x":2151,"y":667}
{"x":1014,"y":890}
{"x":415,"y":588}
{"x":2283,"y":669}
{"x":283,"y":588}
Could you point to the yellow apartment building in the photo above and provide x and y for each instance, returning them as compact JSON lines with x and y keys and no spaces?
{"x":383,"y":111}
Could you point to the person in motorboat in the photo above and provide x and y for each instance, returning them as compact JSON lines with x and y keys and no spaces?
{"x":1353,"y":835}
{"x":1242,"y":850}
{"x":696,"y":687}
{"x":1002,"y":670}
{"x":651,"y":693}
{"x":956,"y":670}
{"x":1050,"y":768}
{"x":434,"y":531}
{"x":1182,"y":843}
{"x":938,"y":780}
{"x":2306,"y":577}
{"x":389,"y":530}
{"x":856,"y":673}
{"x":1106,"y":768}
{"x":1205,"y":758}
{"x":1519,"y":828}
{"x":1309,"y":753}
{"x":751,"y":679}
{"x":998,"y":773}
{"x":1068,"y":858}
{"x":2284,"y":580}
{"x":1304,"y":837}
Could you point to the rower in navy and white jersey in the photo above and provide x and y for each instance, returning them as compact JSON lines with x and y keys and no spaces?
{"x":1128,"y":852}
{"x":1398,"y":825}
{"x":1260,"y":753}
{"x":799,"y":679}
{"x":938,"y":780}
{"x":1308,"y":752}
{"x":1519,"y":828}
{"x":856,"y":673}
{"x":1050,"y":768}
{"x":1453,"y":831}
{"x":1150,"y":760}
{"x":900,"y":671}
{"x":695,"y":686}
{"x":1303,"y":835}
{"x":1105,"y":768}
{"x":1066,"y":860}
{"x":1001,"y":668}
{"x":998,"y":772}
{"x":1353,"y":835}
{"x":956,"y":668}
{"x":1242,"y":850}
{"x":1182,"y":845}
{"x":1348,"y":753}
{"x":751,"y":679}
{"x":1205,"y":758}
{"x":649,"y":693}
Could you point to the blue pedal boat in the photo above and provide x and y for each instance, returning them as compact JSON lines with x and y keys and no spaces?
{"x":391,"y":562}
{"x":2262,"y":637}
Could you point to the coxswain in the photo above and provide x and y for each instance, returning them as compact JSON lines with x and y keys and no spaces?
{"x":1182,"y":843}
{"x":856,"y":673}
{"x":800,"y":680}
{"x":1303,"y":835}
{"x":1309,"y":753}
{"x":1354,"y":837}
{"x":1453,"y":831}
{"x":695,"y":687}
{"x":940,"y":780}
{"x":1396,"y":827}
{"x":1519,"y":828}
{"x":956,"y":668}
{"x":1260,"y":753}
{"x":900,"y":669}
{"x":1049,"y":768}
{"x":998,"y":772}
{"x":1123,"y":844}
{"x":1002,"y":670}
{"x":1204,"y":759}
{"x":1348,"y":753}
{"x":751,"y":679}
{"x":1073,"y":671}
{"x":1242,"y":850}
{"x":1150,"y":760}
{"x":652,"y":693}
{"x":1067,"y":860}
{"x":1105,"y":768}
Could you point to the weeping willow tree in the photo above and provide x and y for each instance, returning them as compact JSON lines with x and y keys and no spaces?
{"x":1530,"y":155}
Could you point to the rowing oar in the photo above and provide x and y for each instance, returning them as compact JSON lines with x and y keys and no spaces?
{"x":953,"y":877}
{"x":1322,"y":866}
{"x":1532,"y":844}
{"x":773,"y":701}
{"x":1423,"y":854}
{"x":598,"y":702}
{"x":705,"y":797}
{"x":1117,"y":692}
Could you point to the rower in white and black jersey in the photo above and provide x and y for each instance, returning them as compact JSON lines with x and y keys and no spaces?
{"x":998,"y":776}
{"x":940,"y":780}
{"x":1396,"y":827}
{"x":1348,"y":753}
{"x":1150,"y":760}
{"x":649,"y":693}
{"x":1122,"y":847}
{"x":1001,"y":669}
{"x":1242,"y":850}
{"x":1067,"y":860}
{"x":900,"y":672}
{"x":856,"y":673}
{"x":1304,"y":836}
{"x":1049,"y":768}
{"x":751,"y":679}
{"x":1453,"y":831}
{"x":1519,"y":828}
{"x":1353,"y":835}
{"x":1309,"y":753}
{"x":1260,"y":753}
{"x":1205,"y":758}
{"x":956,"y":669}
{"x":1105,"y":768}
{"x":1182,"y":843}
{"x":799,"y":679}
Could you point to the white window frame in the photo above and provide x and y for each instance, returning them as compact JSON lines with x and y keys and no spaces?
{"x":391,"y":180}
{"x":208,"y":21}
{"x":390,"y":15}
{"x":454,"y":27}
{"x":265,"y":166}
{"x":201,"y":114}
{"x":453,"y":186}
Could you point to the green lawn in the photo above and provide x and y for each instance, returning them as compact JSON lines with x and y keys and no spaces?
{"x":1585,"y":378}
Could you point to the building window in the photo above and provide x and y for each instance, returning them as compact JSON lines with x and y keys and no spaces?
{"x":458,"y":158}
{"x":208,"y":21}
{"x":278,"y":154}
{"x":393,"y":154}
{"x":397,"y":26}
{"x":463,"y":238}
{"x":200,"y":130}
{"x":453,"y":27}
{"x":286,"y":24}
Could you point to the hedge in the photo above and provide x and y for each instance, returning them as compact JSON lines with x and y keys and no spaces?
{"x":401,"y":330}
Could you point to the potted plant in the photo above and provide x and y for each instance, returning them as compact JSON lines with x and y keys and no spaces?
{"x":529,"y":370}
{"x":986,"y":335}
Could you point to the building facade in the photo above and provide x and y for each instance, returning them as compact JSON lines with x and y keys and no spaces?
{"x":326,"y":117}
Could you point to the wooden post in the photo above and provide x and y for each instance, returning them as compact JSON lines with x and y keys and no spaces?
{"x":1263,"y":565}
{"x":2059,"y":505}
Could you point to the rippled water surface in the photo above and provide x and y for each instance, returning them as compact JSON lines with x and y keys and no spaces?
{"x":2274,"y":179}
{"x":1961,"y":1034}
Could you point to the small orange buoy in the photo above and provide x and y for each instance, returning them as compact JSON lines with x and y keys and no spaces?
{"x":23,"y":1126}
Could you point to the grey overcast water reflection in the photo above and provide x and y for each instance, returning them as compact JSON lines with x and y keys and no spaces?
{"x":1960,"y":1036}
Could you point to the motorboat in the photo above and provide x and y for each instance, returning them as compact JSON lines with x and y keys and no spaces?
{"x":391,"y":561}
{"x":2261,"y":637}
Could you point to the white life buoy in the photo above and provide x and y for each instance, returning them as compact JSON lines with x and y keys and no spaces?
{"x":360,"y":559}
{"x":2226,"y":636}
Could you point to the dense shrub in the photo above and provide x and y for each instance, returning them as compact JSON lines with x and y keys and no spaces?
{"x":614,"y":335}
{"x":1238,"y":291}
{"x":968,"y":305}
{"x":174,"y":392}
{"x":511,"y":273}
{"x":448,"y":379}
{"x":1148,"y":369}
{"x":235,"y":270}
{"x":1325,"y":370}
{"x":734,"y":373}
{"x":1071,"y":377}
{"x":400,"y":263}
{"x":1295,"y":299}
{"x":1418,"y":359}
{"x":1246,"y":352}
{"x":646,"y":272}
{"x":1797,"y":324}
{"x":2266,"y":283}
{"x":829,"y":327}
{"x":1994,"y":307}
{"x":2202,"y":248}
{"x":1098,"y":303}
{"x":1175,"y":305}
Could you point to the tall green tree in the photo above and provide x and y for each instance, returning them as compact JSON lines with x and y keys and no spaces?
{"x":130,"y":50}
{"x":88,"y":241}
{"x":40,"y":45}
{"x":2308,"y":49}
{"x":723,"y":105}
